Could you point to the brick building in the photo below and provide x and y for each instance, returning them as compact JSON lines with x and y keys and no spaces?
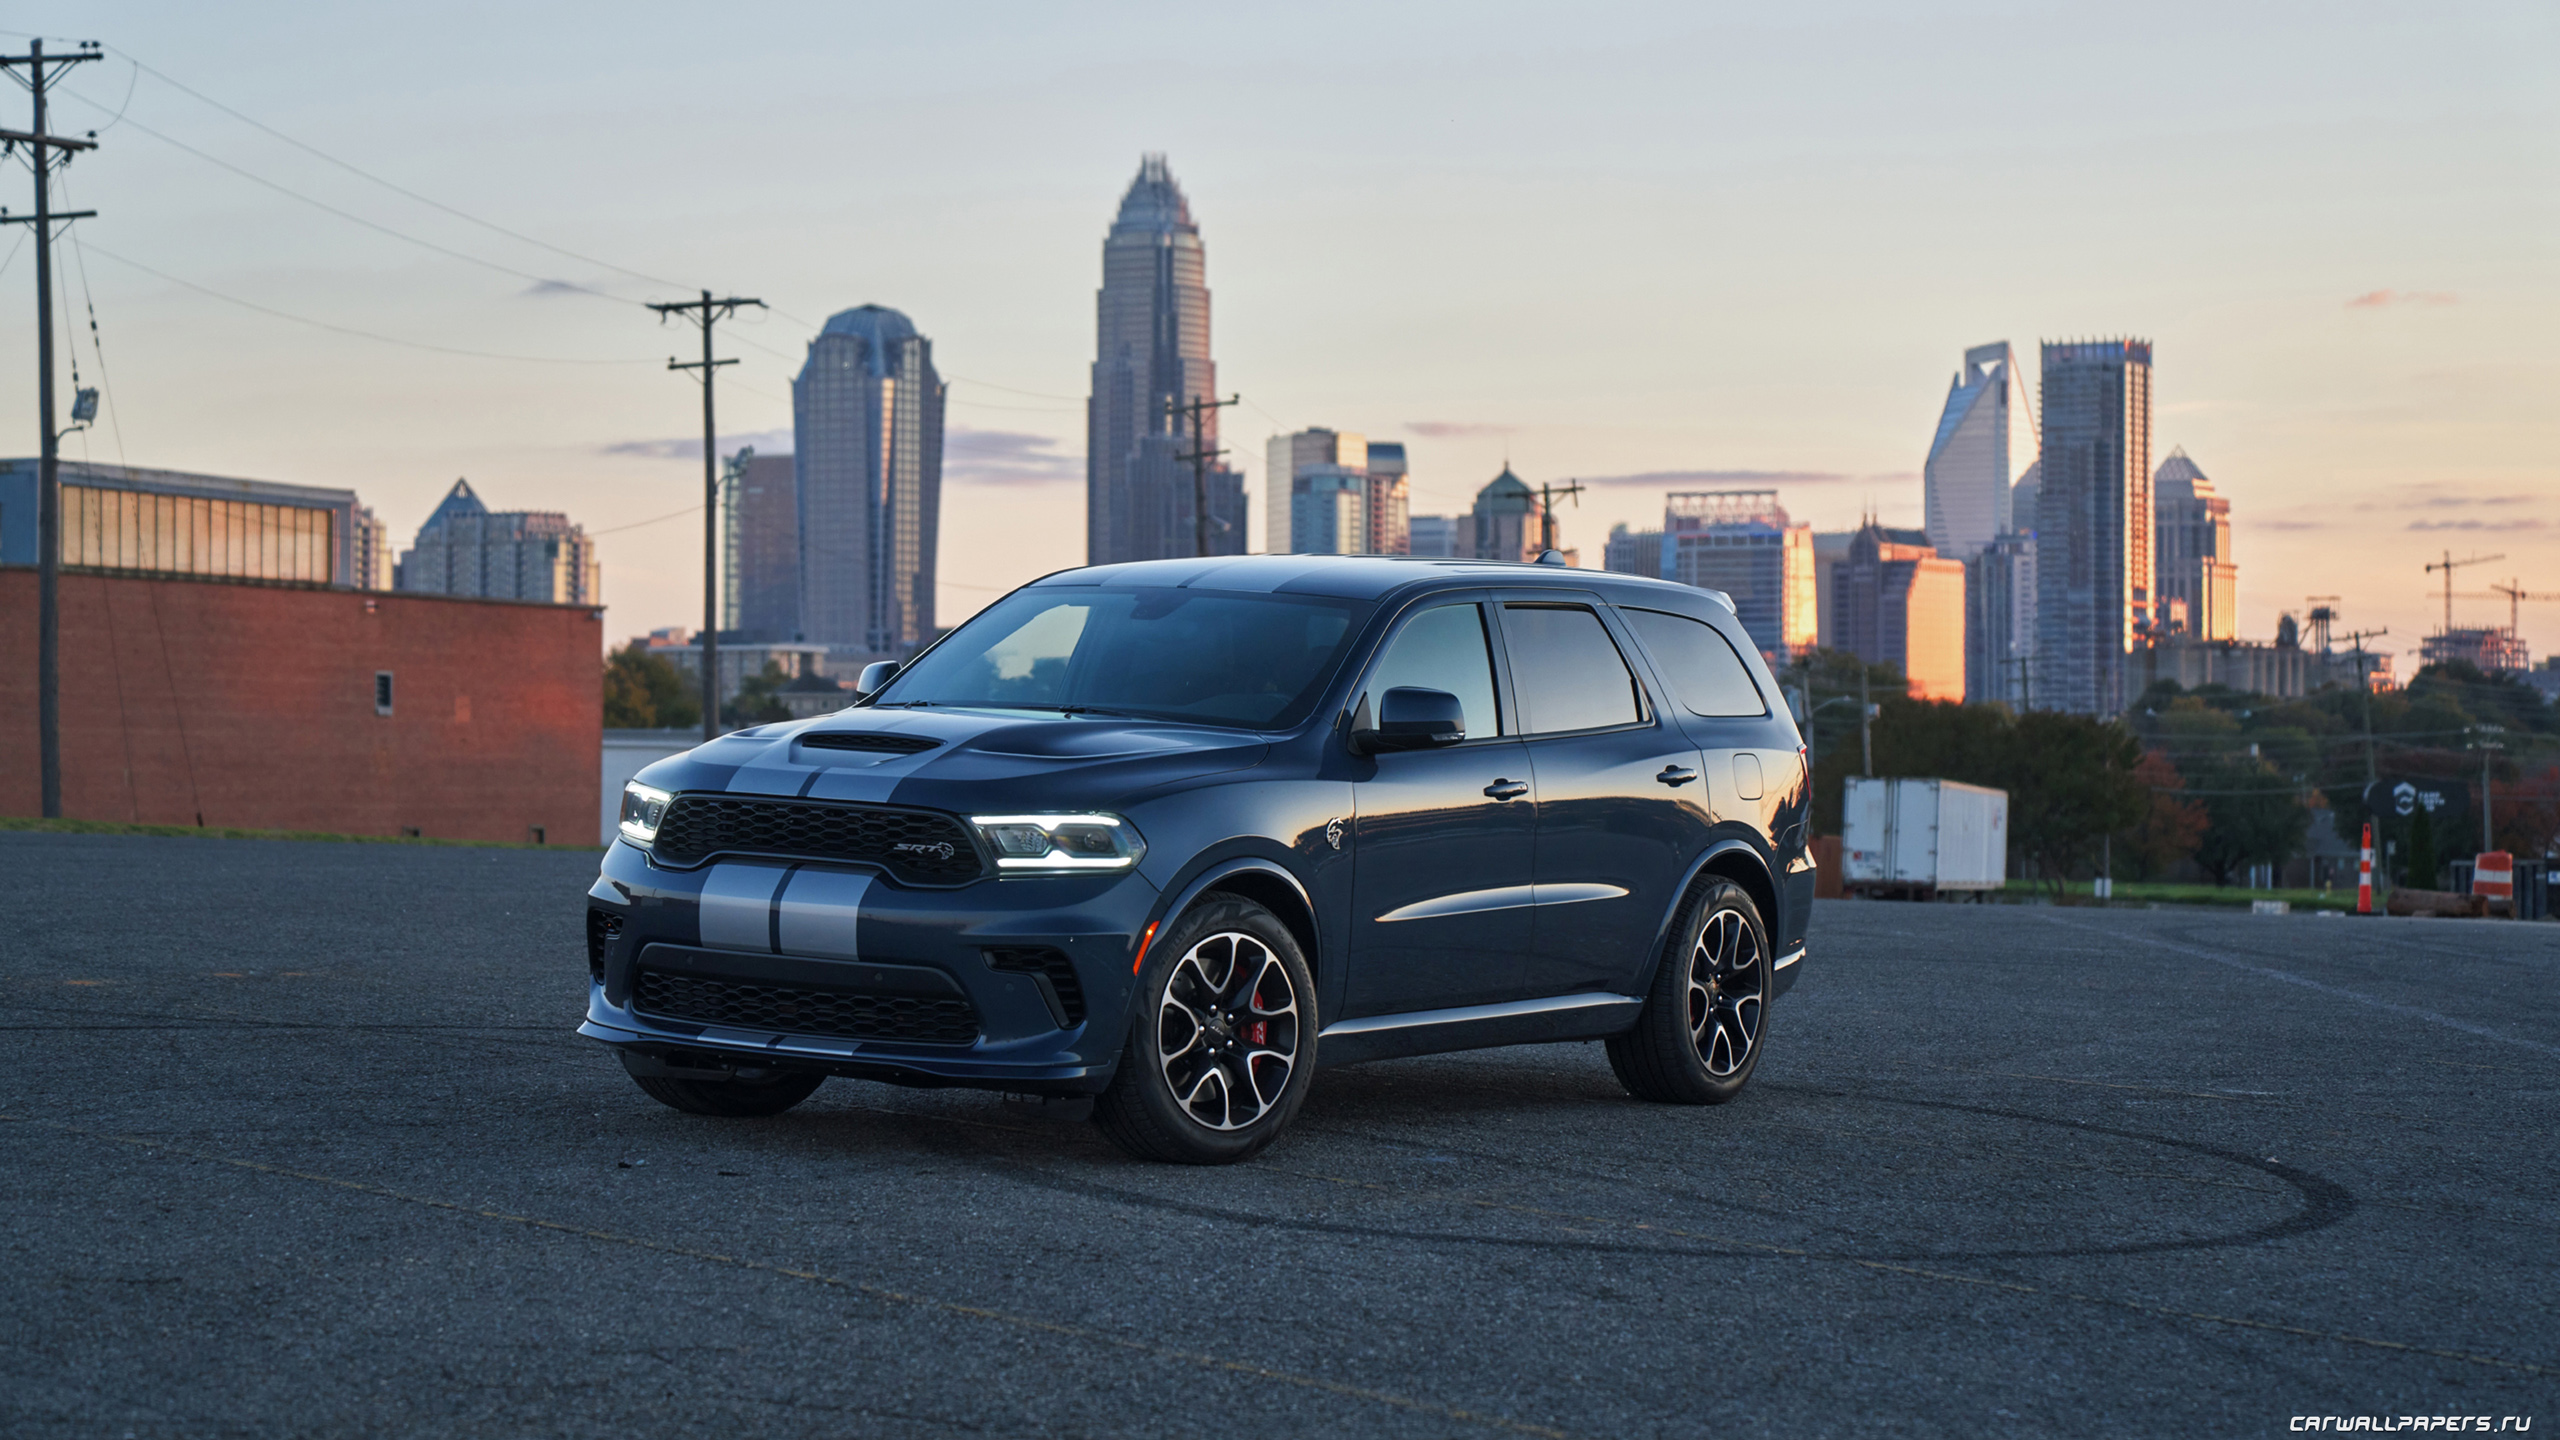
{"x":306,"y":706}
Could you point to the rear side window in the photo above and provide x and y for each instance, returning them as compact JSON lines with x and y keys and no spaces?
{"x":1443,"y":648}
{"x":1697,"y":663}
{"x":1567,"y":670}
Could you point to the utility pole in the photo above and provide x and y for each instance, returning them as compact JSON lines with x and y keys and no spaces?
{"x":2357,"y":639}
{"x":2485,"y":747}
{"x":1547,"y":510}
{"x":705,"y":313}
{"x":1866,"y":728}
{"x":41,"y":148}
{"x":1200,"y":454}
{"x":2448,"y":565}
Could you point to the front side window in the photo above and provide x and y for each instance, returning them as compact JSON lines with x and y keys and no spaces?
{"x":1158,"y":653}
{"x":1566,"y":670}
{"x":1443,"y":648}
{"x":1697,"y":663}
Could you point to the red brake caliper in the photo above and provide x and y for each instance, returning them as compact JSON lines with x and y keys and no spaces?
{"x":1259,"y":1032}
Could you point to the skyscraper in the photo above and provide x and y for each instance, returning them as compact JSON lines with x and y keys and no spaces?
{"x":465,"y":548}
{"x":1507,"y":519}
{"x":2199,"y":581}
{"x":1152,"y":355}
{"x":866,"y":413}
{"x":1742,"y":543}
{"x":1316,"y":493}
{"x":760,"y":525}
{"x":1390,"y":506}
{"x":2094,"y":521}
{"x":1974,"y":456}
{"x":1896,"y":600}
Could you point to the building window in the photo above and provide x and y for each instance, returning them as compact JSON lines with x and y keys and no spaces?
{"x":381,"y":692}
{"x":195,"y":535}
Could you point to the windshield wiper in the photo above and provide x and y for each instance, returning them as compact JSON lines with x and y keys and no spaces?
{"x":1056,"y":709}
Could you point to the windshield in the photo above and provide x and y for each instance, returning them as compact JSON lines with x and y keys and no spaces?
{"x":1214,"y":657}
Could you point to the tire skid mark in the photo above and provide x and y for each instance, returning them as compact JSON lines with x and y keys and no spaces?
{"x":860,"y":1287}
{"x":2311,"y":1218}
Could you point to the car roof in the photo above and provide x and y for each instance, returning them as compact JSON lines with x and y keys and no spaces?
{"x":1370,"y":577}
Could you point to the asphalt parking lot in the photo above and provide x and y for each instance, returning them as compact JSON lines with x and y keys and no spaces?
{"x":298,"y":1141}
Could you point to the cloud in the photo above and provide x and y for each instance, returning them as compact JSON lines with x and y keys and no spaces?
{"x":541,"y":288}
{"x":766,"y":442}
{"x":1738,"y":479}
{"x":2256,"y":524}
{"x":1006,"y":457}
{"x":2527,"y":523}
{"x":1454,"y":429}
{"x":2378,"y":299}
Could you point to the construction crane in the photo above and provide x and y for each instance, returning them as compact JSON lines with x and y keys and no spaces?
{"x":2448,"y":565}
{"x":2515,"y":602}
{"x":2321,"y":618}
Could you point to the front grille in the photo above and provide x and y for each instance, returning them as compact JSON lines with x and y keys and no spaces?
{"x":915,"y":845}
{"x":603,"y":928}
{"x":807,"y":1010}
{"x":1051,"y":966}
{"x":893,"y":744}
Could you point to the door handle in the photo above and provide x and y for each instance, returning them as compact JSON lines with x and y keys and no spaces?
{"x":1676,"y":775}
{"x":1507,"y":789}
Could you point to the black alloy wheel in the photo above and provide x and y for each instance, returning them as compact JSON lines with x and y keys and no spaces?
{"x":1699,"y":1037}
{"x":1222,"y":1047}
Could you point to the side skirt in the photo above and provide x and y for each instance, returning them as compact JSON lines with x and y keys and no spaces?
{"x":1593,"y":1015}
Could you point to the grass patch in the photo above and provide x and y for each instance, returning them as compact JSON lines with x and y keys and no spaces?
{"x":29,"y":824}
{"x":2168,"y":894}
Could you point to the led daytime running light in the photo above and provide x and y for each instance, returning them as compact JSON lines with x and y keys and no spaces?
{"x":644,"y":809}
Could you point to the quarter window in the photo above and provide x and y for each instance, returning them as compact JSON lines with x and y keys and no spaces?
{"x":1699,"y":665}
{"x":1443,"y":648}
{"x":1566,"y":670}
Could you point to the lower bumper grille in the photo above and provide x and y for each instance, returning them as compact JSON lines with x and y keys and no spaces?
{"x":806,"y":1010}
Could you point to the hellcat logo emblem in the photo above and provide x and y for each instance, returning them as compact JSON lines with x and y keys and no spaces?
{"x":1333,"y":833}
{"x":925,"y":850}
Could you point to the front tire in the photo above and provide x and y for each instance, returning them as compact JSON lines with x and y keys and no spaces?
{"x":1222,"y":1050}
{"x":1699,"y":1037}
{"x":770,"y":1093}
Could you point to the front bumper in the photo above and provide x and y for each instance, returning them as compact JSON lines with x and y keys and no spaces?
{"x":842,"y":930}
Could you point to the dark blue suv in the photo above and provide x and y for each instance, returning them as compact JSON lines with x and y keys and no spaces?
{"x":1171,"y":835}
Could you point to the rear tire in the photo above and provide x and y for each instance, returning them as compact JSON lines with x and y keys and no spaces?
{"x":1222,"y":1048}
{"x":768,"y":1094}
{"x":1704,"y":1020}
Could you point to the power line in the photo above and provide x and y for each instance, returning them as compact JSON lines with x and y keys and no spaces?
{"x":363,"y":174}
{"x":270,"y":310}
{"x":636,"y":524}
{"x":353,"y":218}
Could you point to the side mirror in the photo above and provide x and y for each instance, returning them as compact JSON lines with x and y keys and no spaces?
{"x":875,"y":677}
{"x":1412,"y":718}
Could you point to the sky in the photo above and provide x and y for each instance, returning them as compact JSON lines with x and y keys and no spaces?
{"x":1649,"y":247}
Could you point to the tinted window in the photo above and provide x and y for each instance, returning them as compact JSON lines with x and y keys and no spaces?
{"x":1697,"y":663}
{"x":1159,"y":652}
{"x":1443,"y":648}
{"x":1566,"y":670}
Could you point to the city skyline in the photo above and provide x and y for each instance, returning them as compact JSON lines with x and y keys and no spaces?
{"x":2356,"y":358}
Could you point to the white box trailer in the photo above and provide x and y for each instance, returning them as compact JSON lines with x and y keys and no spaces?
{"x":1916,"y":838}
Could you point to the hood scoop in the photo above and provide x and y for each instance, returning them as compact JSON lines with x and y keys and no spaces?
{"x":868,"y":744}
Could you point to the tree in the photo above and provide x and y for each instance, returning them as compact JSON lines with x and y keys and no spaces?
{"x":2422,"y":850}
{"x":2171,"y":825}
{"x":756,"y":702}
{"x":2527,"y":811}
{"x":2070,"y":781}
{"x":644,"y":692}
{"x":2252,"y":816}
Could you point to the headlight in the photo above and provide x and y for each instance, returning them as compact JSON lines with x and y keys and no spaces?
{"x":643,"y":808}
{"x":1032,"y":843}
